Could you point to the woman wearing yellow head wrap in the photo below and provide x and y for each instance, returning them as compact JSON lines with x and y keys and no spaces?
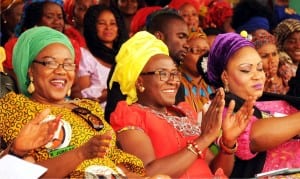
{"x":167,"y":137}
{"x":130,"y":61}
{"x":84,"y":143}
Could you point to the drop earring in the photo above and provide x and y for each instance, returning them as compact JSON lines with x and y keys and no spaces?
{"x":69,"y":93}
{"x":31,"y":87}
{"x":226,"y":88}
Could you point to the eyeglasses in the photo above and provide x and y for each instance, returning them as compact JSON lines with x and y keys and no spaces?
{"x":55,"y":65}
{"x":89,"y":117}
{"x":165,"y":75}
{"x":197,"y":50}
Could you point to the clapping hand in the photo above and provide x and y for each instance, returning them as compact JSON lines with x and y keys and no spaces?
{"x":212,"y":119}
{"x":235,"y":123}
{"x":97,"y":146}
{"x":36,"y":133}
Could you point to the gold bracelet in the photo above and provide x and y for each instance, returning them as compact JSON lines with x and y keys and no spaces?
{"x":227,"y":150}
{"x":190,"y":148}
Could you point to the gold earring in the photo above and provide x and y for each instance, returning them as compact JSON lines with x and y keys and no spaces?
{"x":226,"y":88}
{"x":31,"y":87}
{"x":69,"y":93}
{"x":141,"y":89}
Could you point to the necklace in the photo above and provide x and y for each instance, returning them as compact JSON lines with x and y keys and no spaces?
{"x":182,"y":124}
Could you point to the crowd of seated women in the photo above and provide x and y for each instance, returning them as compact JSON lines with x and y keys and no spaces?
{"x":138,"y":89}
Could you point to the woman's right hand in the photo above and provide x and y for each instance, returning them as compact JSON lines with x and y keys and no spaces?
{"x":212,"y":120}
{"x":97,"y":146}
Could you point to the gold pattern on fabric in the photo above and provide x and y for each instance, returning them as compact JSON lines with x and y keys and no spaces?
{"x":17,"y":110}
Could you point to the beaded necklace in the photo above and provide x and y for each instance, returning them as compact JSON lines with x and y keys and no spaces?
{"x":182,"y":124}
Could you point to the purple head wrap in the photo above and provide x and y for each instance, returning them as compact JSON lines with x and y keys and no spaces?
{"x":224,"y":46}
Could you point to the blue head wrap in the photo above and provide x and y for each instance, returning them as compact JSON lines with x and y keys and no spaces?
{"x":254,"y":24}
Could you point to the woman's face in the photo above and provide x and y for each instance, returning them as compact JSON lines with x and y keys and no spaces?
{"x":244,"y":73}
{"x":270,"y":59}
{"x":190,"y":16}
{"x":128,"y":7}
{"x":52,"y":85}
{"x":53,"y":17}
{"x":107,"y":28}
{"x":292,"y":46}
{"x":13,"y":16}
{"x":198,"y":47}
{"x":160,"y":91}
{"x":80,"y":9}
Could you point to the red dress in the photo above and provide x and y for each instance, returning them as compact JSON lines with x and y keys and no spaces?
{"x":165,"y":139}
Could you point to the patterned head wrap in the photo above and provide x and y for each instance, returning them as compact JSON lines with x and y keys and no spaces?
{"x":254,"y":24}
{"x":7,"y":4}
{"x":284,"y":29}
{"x":224,"y":46}
{"x":259,"y":41}
{"x":29,"y":45}
{"x":131,"y":59}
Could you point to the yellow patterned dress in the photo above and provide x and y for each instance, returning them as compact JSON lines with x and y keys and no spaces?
{"x":17,"y":110}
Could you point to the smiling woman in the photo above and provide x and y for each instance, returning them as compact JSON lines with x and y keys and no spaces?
{"x":150,"y":119}
{"x":43,"y":61}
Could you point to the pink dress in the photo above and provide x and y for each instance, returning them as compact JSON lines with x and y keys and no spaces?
{"x":285,"y":155}
{"x":89,"y":66}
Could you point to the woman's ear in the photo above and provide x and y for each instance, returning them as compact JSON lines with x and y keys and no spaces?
{"x":224,"y":77}
{"x":139,"y":85}
{"x":30,"y":73}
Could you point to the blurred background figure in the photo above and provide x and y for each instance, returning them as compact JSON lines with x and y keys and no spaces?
{"x":267,"y":49}
{"x":188,"y":10}
{"x":75,"y":11}
{"x":287,"y":34}
{"x":196,"y":89}
{"x":128,"y":9}
{"x":104,"y":33}
{"x":11,"y":12}
{"x":217,"y":14}
{"x":138,"y":22}
{"x":253,"y":17}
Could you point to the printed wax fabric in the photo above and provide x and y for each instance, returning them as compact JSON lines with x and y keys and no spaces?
{"x":17,"y":110}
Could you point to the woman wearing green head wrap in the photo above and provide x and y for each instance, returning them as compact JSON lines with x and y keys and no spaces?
{"x":84,"y":144}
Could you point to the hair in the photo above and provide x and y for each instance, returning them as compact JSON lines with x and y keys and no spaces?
{"x":160,"y":20}
{"x":96,"y":45}
{"x":141,"y":3}
{"x":213,"y":31}
{"x":246,"y":9}
{"x":32,"y":16}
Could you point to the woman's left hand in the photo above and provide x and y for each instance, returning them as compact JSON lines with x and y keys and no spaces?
{"x":235,"y":123}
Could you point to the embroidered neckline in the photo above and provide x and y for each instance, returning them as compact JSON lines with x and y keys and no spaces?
{"x":183,"y":124}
